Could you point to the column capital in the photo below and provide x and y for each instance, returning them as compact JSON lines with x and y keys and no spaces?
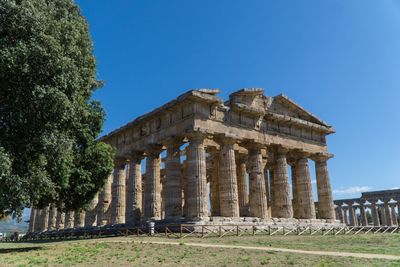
{"x":173,"y":142}
{"x":153,"y":150}
{"x":120,"y":161}
{"x":280,"y":150}
{"x":197,"y":136}
{"x":226,"y":139}
{"x":136,"y":155}
{"x":241,"y":157}
{"x":321,"y":157}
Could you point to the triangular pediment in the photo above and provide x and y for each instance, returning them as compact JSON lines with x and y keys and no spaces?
{"x":282,"y":104}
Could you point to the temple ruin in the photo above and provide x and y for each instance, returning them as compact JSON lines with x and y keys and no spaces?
{"x":382,"y":206}
{"x":200,"y":159}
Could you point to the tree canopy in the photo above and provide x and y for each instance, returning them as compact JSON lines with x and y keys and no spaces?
{"x":49,"y":125}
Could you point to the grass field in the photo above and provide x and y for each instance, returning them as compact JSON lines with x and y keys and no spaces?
{"x":125,"y":252}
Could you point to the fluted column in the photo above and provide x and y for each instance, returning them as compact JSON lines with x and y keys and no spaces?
{"x":242,"y":185}
{"x":60,"y":222}
{"x":258,"y":204}
{"x":69,"y":219}
{"x":52,"y":218}
{"x":38,"y":220}
{"x":339,"y":214}
{"x":363,"y":215}
{"x":306,"y":208}
{"x":282,"y":199}
{"x":196,"y":178}
{"x":271,"y":203}
{"x":134,"y":190}
{"x":43,"y":219}
{"x":352,"y":215}
{"x":173,"y":187}
{"x":92,"y":212}
{"x":118,"y":192}
{"x":388,"y":214}
{"x":325,"y":198}
{"x":214,"y":182}
{"x":79,"y":220}
{"x":103,"y":212}
{"x":152,"y":202}
{"x":346,"y":215}
{"x":374,"y":214}
{"x":32,"y":219}
{"x":394,"y":215}
{"x":228,"y":190}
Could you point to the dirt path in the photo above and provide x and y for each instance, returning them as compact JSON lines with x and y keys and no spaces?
{"x":322,"y":253}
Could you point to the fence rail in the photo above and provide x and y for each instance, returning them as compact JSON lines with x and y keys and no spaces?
{"x":179,"y":231}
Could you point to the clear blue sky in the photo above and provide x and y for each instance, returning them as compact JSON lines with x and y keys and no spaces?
{"x":340,"y":59}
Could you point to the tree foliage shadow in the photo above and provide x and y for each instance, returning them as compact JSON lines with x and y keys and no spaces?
{"x":11,"y":250}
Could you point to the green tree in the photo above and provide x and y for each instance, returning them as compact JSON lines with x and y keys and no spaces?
{"x":48,"y":122}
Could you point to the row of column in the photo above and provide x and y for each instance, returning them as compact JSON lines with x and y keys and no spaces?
{"x":185,"y":191}
{"x":381,"y":214}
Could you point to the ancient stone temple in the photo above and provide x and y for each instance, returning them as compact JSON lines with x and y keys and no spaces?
{"x":382,"y":206}
{"x":201,"y":159}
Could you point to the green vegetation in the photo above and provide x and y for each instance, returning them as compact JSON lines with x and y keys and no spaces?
{"x":48,"y":122}
{"x":132,"y":252}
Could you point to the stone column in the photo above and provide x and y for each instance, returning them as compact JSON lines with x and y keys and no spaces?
{"x":339,"y":214}
{"x":382,"y":214}
{"x":38,"y":219}
{"x":242,"y":184}
{"x":69,"y":219}
{"x":52,"y":218}
{"x":44,"y":219}
{"x":79,"y":220}
{"x":282,"y":200}
{"x":134,"y":190}
{"x":184,"y":187}
{"x":92,"y":212}
{"x":32,"y":219}
{"x":103,"y":215}
{"x":214,"y":182}
{"x":152,"y":202}
{"x":196,"y":178}
{"x":306,"y":208}
{"x":118,"y":192}
{"x":363,"y":215}
{"x":173,"y":186}
{"x":60,"y":220}
{"x":388,"y":214}
{"x":295,"y":190}
{"x":352,"y":215}
{"x":325,"y":198}
{"x":374,"y":213}
{"x":345,"y":215}
{"x":394,"y":215}
{"x":228,"y":189}
{"x":271,"y":202}
{"x":257,"y":197}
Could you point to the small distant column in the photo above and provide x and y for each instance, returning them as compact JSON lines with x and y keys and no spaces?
{"x":103,"y":215}
{"x":79,"y":220}
{"x":383,"y":215}
{"x":271,"y":203}
{"x":43,"y":219}
{"x":214,"y":182}
{"x":374,"y":213}
{"x":339,"y":213}
{"x":363,"y":215}
{"x":242,"y":184}
{"x":134,"y":191}
{"x":52,"y":224}
{"x":294,"y":190}
{"x":91,"y":213}
{"x":118,"y":192}
{"x":345,"y":215}
{"x":388,"y":214}
{"x":196,"y":177}
{"x":325,"y":198}
{"x":32,"y":219}
{"x":173,"y":187}
{"x":282,"y":200}
{"x":60,"y":220}
{"x":69,"y":219}
{"x":394,"y":215}
{"x":352,"y":215}
{"x":257,"y":195}
{"x":228,"y":189}
{"x":306,"y":208}
{"x":152,"y":202}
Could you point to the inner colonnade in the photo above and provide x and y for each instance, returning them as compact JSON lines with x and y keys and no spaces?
{"x":375,"y":208}
{"x":200,"y":159}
